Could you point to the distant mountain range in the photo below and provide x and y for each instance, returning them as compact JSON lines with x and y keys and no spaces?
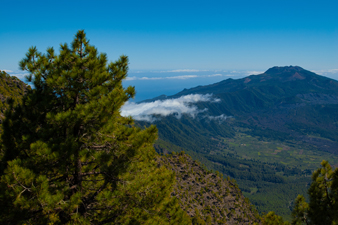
{"x":268,"y":131}
{"x":283,"y":102}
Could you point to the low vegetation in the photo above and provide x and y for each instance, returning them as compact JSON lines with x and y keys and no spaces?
{"x":207,"y":196}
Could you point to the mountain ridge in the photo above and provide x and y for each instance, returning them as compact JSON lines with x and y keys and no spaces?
{"x":281,"y":74}
{"x":285,"y":116}
{"x":276,"y":94}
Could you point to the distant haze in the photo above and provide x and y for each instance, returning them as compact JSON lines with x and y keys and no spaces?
{"x":152,"y":83}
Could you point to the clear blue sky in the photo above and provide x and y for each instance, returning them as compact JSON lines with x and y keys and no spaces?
{"x":156,"y":35}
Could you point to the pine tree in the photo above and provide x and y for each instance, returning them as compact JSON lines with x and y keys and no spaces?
{"x":323,"y":195}
{"x":69,"y":157}
{"x":272,"y":219}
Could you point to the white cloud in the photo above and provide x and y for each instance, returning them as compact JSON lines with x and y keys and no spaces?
{"x":323,"y":72}
{"x":7,"y":71}
{"x":198,"y":74}
{"x":254,"y":72}
{"x":21,"y":76}
{"x":131,"y":78}
{"x":214,"y":75}
{"x":181,"y":70}
{"x":17,"y":73}
{"x":181,"y":77}
{"x":333,"y":71}
{"x":145,"y":78}
{"x":183,"y":105}
{"x":168,"y":71}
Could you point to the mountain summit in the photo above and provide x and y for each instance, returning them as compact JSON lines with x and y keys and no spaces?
{"x":277,"y":78}
{"x":284,"y":69}
{"x":288,"y":73}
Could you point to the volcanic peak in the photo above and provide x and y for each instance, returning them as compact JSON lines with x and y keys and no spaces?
{"x":284,"y":69}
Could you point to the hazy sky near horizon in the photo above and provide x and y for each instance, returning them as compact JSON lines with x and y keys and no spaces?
{"x":184,"y":36}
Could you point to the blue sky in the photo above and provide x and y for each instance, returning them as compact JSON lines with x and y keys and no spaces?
{"x":176,"y":35}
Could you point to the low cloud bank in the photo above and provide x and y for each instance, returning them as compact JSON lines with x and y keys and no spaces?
{"x":197,"y":74}
{"x":149,"y":110}
{"x":18,"y":73}
{"x":254,"y":72}
{"x":181,"y":77}
{"x":7,"y":71}
{"x":181,"y":70}
{"x":324,"y":72}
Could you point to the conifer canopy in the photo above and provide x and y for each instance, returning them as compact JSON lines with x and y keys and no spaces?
{"x":323,"y":199}
{"x":69,"y":157}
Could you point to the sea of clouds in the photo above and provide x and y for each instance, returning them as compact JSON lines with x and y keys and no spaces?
{"x":149,"y":111}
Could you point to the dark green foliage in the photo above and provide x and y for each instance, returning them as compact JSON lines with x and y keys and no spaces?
{"x":246,"y":169}
{"x":70,"y":157}
{"x":272,"y":219}
{"x":323,"y":199}
{"x":300,"y":210}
